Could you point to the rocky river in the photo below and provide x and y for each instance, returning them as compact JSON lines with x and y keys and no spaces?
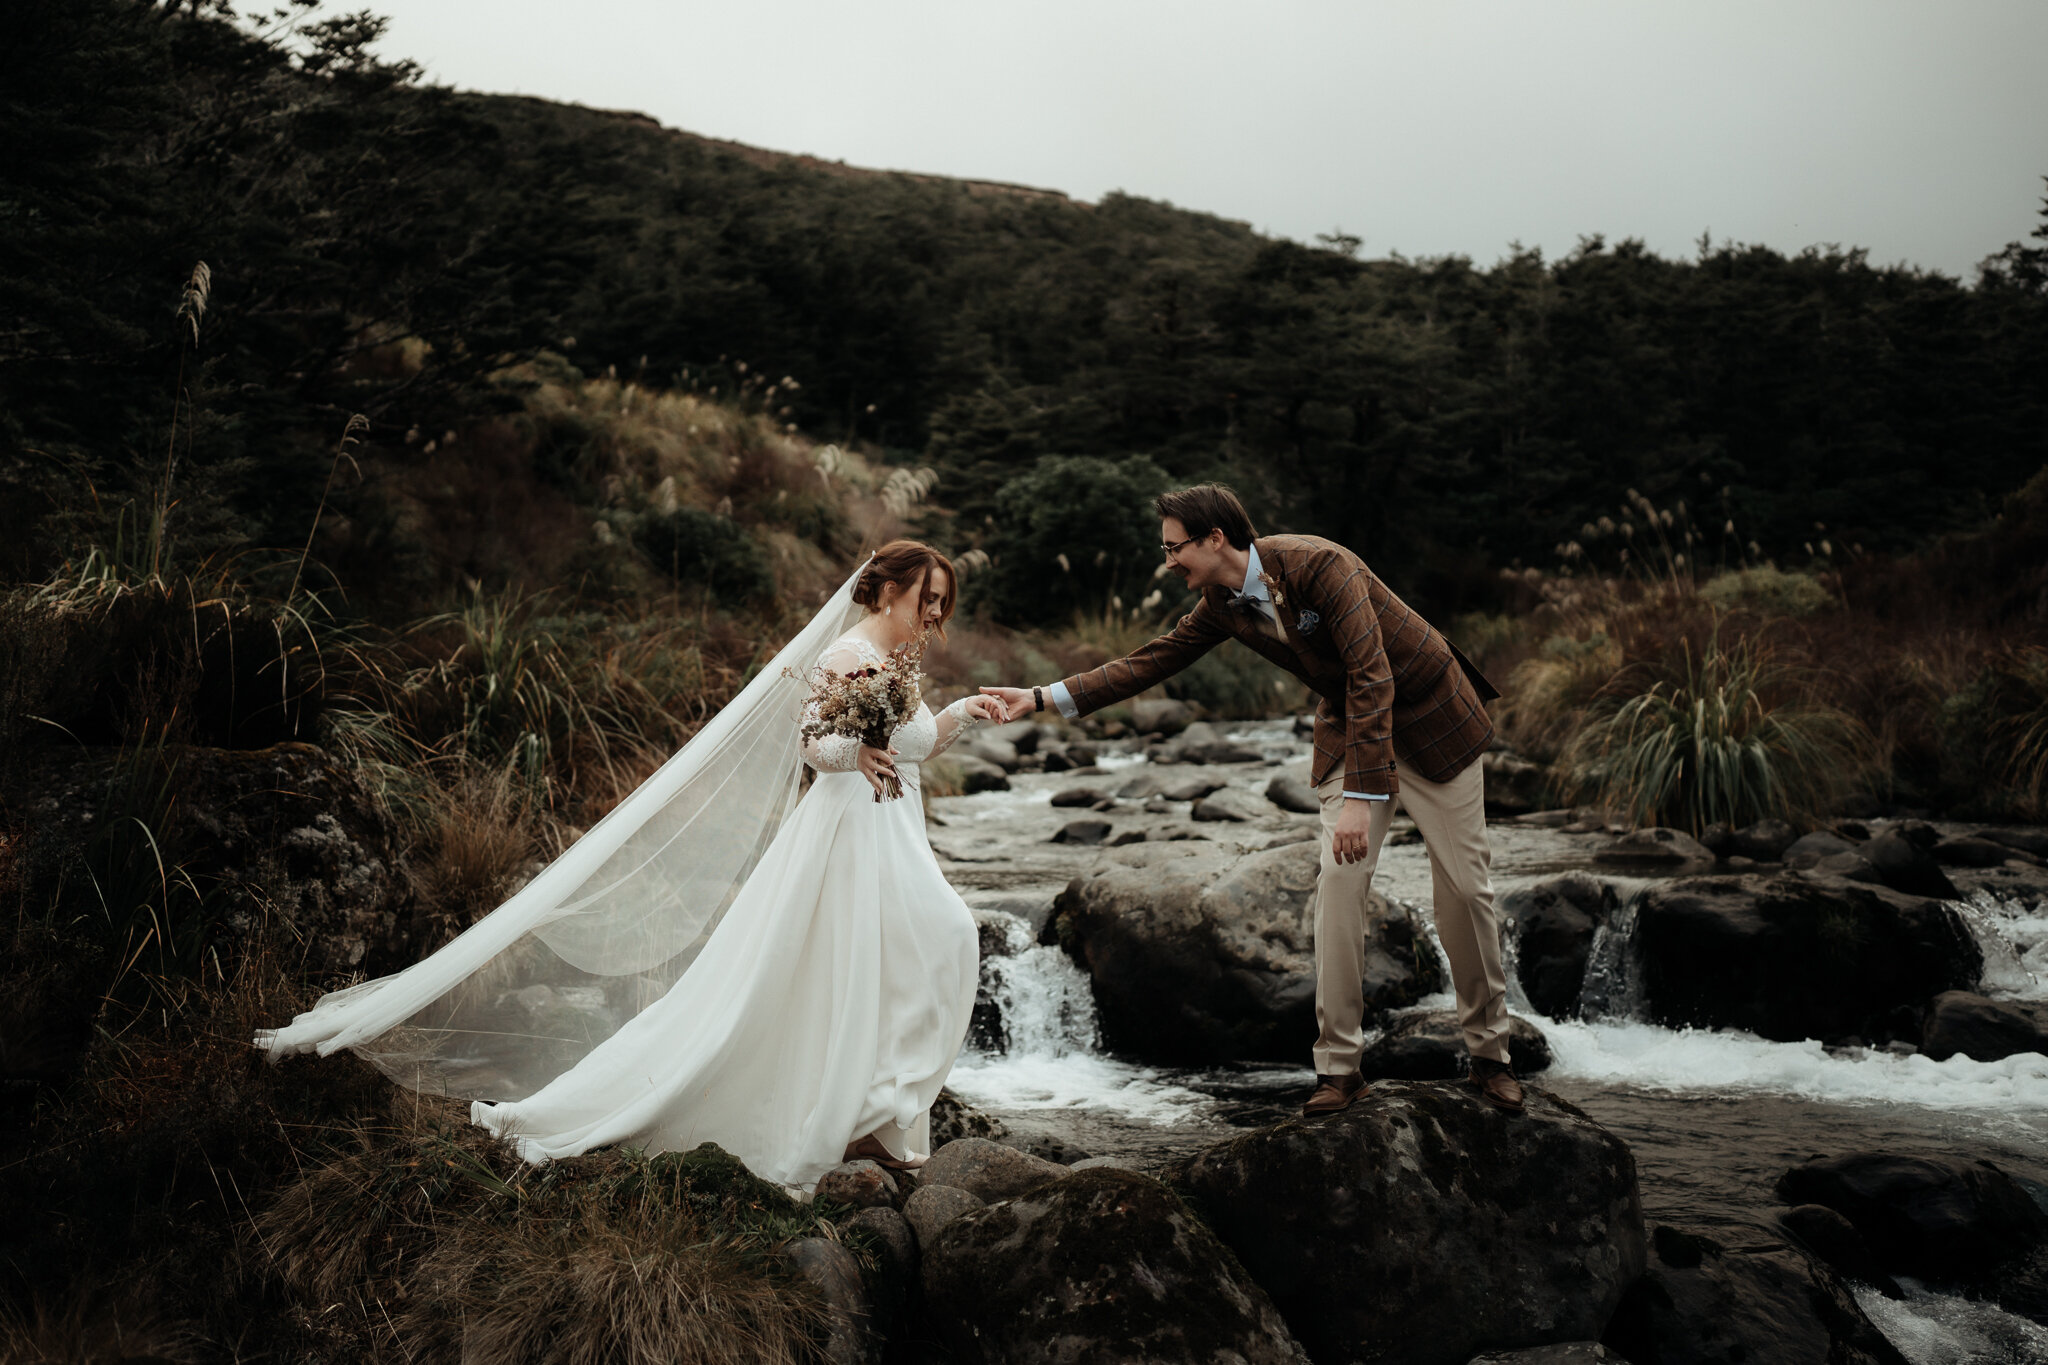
{"x":1151,"y":1069}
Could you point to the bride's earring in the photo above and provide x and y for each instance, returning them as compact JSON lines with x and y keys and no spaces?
{"x":888,"y":611}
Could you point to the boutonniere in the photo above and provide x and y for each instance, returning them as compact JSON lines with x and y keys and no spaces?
{"x":1306,"y":623}
{"x":1273,"y":588}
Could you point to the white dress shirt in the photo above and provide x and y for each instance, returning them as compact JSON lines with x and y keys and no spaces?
{"x":1257,"y":597}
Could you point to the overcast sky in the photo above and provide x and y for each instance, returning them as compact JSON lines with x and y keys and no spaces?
{"x":1917,"y":130}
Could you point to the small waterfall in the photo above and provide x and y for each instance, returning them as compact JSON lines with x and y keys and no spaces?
{"x":2013,"y":937}
{"x":1035,"y":1001}
{"x":1613,"y":988}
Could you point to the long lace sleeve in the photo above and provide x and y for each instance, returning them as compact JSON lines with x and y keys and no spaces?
{"x":953,"y":722}
{"x":831,"y":753}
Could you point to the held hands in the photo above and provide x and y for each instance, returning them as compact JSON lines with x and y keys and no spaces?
{"x":877,"y":765}
{"x":986,"y":708}
{"x":1016,"y":702}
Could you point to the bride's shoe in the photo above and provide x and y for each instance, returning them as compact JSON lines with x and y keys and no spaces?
{"x":870,"y":1148}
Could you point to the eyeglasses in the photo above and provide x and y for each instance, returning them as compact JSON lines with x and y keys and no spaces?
{"x":1171,"y":550}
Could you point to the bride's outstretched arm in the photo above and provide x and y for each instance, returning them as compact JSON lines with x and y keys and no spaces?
{"x":962,"y":716}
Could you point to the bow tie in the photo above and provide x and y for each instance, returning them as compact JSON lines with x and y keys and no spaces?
{"x":1251,"y":602}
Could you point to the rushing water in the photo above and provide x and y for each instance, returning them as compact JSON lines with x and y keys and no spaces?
{"x":1713,"y":1117}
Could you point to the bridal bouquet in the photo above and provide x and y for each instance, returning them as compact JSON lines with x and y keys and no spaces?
{"x":868,"y":703}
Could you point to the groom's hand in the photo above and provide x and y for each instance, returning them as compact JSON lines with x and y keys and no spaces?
{"x":1016,"y":701}
{"x":1351,"y":841}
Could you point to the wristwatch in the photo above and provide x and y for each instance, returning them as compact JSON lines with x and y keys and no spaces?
{"x":1038,"y":699}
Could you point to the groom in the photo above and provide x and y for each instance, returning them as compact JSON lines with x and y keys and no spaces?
{"x":1401,"y":715}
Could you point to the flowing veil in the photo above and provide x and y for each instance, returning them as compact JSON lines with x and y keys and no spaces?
{"x":604,"y":930}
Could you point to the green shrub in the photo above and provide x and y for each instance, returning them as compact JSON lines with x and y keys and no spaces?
{"x":1724,"y":736}
{"x":1767,"y":590}
{"x":1072,"y":532}
{"x":1237,"y":684}
{"x":715,"y":552}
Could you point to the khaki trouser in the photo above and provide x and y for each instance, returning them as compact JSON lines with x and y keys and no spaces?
{"x":1452,"y":819}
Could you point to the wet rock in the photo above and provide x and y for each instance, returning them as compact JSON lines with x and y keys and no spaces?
{"x":1552,"y":924}
{"x":1834,"y":1239}
{"x":1114,"y":1163}
{"x":1765,"y":841}
{"x":1293,"y":794}
{"x":1944,"y":1219}
{"x":1199,"y":955}
{"x":1431,"y":1047}
{"x":1082,"y":755}
{"x":1228,"y":804}
{"x":992,"y":930}
{"x":931,"y":1207}
{"x":1906,"y":863}
{"x":1046,"y":1147}
{"x":2032,"y":841}
{"x":831,"y":1272}
{"x":1808,"y":849}
{"x":1718,"y":839}
{"x":1564,"y":1353}
{"x":1194,"y":789}
{"x":1422,"y":1226}
{"x":1849,"y":865}
{"x":1162,"y":717}
{"x":977,"y":774}
{"x":989,"y":749}
{"x":1204,"y":743}
{"x":1150,"y":783}
{"x":1021,"y":735}
{"x":1080,"y":796}
{"x":1970,"y":1024}
{"x":1700,"y":1303}
{"x":1796,"y":955}
{"x":953,"y":1117}
{"x":987,"y":1170}
{"x":1656,"y":846}
{"x":1082,"y":832}
{"x":1514,"y":785}
{"x":1129,"y":836}
{"x":1971,"y":851}
{"x":893,"y":1282}
{"x":1105,"y":1266}
{"x":859,"y":1185}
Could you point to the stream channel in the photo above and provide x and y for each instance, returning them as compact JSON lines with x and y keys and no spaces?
{"x":1712,"y":1117}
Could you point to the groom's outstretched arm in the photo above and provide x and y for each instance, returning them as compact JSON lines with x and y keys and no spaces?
{"x":1200,"y":631}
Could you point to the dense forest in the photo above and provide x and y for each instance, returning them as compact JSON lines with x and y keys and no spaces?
{"x":376,"y":246}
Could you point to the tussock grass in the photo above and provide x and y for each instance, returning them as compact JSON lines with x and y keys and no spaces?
{"x":444,"y":1245}
{"x":1723,"y":734}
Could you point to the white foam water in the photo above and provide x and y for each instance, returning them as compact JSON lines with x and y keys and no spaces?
{"x":2014,"y":938}
{"x":1050,"y":1038}
{"x":1942,"y":1329}
{"x":1652,"y":1057}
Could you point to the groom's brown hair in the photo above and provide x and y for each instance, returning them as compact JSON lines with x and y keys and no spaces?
{"x":1208,"y":507}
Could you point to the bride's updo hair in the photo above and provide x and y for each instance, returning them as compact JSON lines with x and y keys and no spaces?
{"x":900,"y":561}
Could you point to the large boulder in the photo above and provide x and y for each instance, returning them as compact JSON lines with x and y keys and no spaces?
{"x":1165,"y":716}
{"x":1976,"y":1026}
{"x":1104,"y":1267}
{"x":1797,"y":955}
{"x":1834,"y":1239}
{"x":1199,"y":954}
{"x":1421,"y":1226}
{"x":1945,"y":1219}
{"x":1701,"y":1303}
{"x":1430,"y":1046}
{"x":1294,"y":795}
{"x":1551,"y":925}
{"x":987,"y":1170}
{"x":1907,"y":863}
{"x":832,"y":1273}
{"x":1765,"y":841}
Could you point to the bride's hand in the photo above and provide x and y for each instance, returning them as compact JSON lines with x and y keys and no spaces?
{"x":876,"y":765}
{"x":985,"y":708}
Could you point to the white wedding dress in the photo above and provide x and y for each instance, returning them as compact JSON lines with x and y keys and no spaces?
{"x":718,"y":959}
{"x":829,"y":1003}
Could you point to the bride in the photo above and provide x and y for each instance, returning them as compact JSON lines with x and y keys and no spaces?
{"x":717,"y":960}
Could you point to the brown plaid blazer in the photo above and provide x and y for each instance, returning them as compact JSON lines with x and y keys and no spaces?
{"x":1389,"y":682}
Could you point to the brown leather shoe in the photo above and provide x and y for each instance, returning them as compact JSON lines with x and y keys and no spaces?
{"x":1333,"y":1093}
{"x":1497,"y":1084}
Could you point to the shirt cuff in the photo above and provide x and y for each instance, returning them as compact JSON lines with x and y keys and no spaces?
{"x":1368,"y":796}
{"x":1057,"y":694}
